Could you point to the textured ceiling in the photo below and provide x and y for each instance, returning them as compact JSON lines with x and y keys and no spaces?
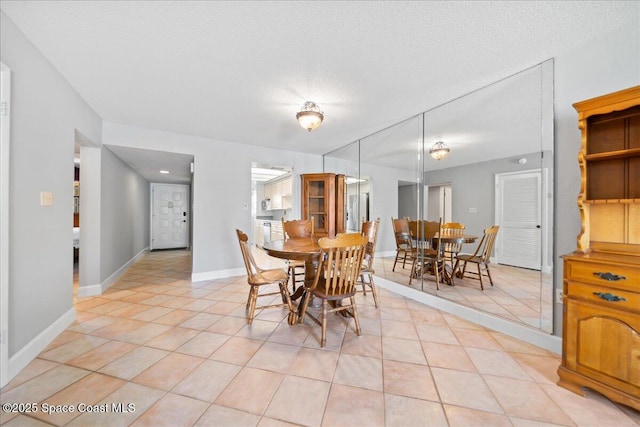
{"x":239,"y":71}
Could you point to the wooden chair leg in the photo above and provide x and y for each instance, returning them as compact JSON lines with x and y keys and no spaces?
{"x":480,"y":277}
{"x":304,"y":303}
{"x":489,"y":274}
{"x":395,"y":261}
{"x":323,"y":340}
{"x":413,"y":270}
{"x":373,"y":291}
{"x":364,"y":285}
{"x":253,"y":296}
{"x":355,"y":315}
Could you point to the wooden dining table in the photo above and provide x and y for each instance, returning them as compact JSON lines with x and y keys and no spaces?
{"x":304,"y":249}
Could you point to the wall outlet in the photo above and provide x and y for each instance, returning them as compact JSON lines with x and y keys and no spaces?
{"x":558,"y":296}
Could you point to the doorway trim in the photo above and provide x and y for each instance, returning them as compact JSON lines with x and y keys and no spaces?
{"x":5,"y":122}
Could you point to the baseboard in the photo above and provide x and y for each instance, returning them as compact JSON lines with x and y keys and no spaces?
{"x":94,"y":290}
{"x":386,"y":254}
{"x":26,"y":354}
{"x":522,"y":332}
{"x":217,"y":274}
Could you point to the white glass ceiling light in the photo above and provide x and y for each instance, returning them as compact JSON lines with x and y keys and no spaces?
{"x":310,"y":116}
{"x":439,"y":151}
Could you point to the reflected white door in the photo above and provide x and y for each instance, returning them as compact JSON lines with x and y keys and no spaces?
{"x":169,"y":216}
{"x":518,"y":213}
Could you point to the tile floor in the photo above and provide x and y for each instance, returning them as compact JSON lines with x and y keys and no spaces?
{"x":519,"y":294}
{"x":157,"y":349}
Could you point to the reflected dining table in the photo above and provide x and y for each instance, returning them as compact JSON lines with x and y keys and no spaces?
{"x":444,"y":240}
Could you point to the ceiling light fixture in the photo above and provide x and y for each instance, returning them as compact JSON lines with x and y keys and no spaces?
{"x":310,"y":116}
{"x":439,"y":151}
{"x":164,"y":171}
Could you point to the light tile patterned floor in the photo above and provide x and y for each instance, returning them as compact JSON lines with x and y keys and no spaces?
{"x":519,"y":294}
{"x":182,"y":354}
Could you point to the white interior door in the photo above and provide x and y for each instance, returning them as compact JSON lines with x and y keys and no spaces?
{"x":170,"y":216}
{"x":518,"y":213}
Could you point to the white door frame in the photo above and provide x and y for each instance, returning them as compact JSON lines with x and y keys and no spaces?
{"x":5,"y":121}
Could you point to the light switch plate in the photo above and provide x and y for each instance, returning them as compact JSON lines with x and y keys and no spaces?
{"x":46,"y":198}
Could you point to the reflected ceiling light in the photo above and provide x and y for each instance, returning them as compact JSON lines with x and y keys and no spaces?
{"x":439,"y":151}
{"x":310,"y":116}
{"x":164,"y":171}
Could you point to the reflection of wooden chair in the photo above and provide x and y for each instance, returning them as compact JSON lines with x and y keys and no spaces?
{"x":481,"y":257}
{"x":294,"y":229}
{"x":404,"y":245}
{"x":370,"y":230}
{"x":433,"y":253}
{"x":257,"y":277}
{"x":452,"y":249}
{"x":338,"y":272}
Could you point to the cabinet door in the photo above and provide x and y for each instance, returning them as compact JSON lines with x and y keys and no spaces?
{"x":604,"y":344}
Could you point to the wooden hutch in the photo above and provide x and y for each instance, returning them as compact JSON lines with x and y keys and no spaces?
{"x":601,"y":312}
{"x":323,"y":198}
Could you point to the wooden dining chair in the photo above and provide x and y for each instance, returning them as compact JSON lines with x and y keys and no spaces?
{"x":481,"y":257}
{"x":294,"y":229}
{"x":370,"y":231}
{"x":452,"y":249}
{"x":336,"y":277}
{"x":433,"y":253}
{"x":258,"y":277}
{"x":405,"y":249}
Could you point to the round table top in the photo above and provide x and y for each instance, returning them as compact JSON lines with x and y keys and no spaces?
{"x":302,"y":249}
{"x":466,"y":238}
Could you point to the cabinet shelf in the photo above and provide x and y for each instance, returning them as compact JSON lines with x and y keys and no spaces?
{"x":605,"y":201}
{"x":613,"y":155}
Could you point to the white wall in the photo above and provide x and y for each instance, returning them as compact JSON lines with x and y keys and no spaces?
{"x":125,"y":214}
{"x":602,"y":66}
{"x":221,"y":188}
{"x":46,"y":111}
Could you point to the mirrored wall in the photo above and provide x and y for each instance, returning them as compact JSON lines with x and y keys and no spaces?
{"x":499,"y":171}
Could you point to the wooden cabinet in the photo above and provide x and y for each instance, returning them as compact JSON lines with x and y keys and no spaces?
{"x":323,"y":199}
{"x":601,"y":318}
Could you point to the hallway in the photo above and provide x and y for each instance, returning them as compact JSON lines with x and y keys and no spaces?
{"x":166,"y":351}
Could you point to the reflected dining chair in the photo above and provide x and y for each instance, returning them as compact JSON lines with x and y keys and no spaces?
{"x":258,"y":277}
{"x":295,"y":229}
{"x":370,"y":231}
{"x":481,"y":257}
{"x":452,"y":249}
{"x":404,"y":245}
{"x":433,"y":253}
{"x":336,"y":277}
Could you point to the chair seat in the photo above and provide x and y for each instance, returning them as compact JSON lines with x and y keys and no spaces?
{"x":321,"y":292}
{"x":469,"y":258}
{"x":266,"y":277}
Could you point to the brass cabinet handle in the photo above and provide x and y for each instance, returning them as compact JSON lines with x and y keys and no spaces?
{"x":610,"y":276}
{"x":609,"y":297}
